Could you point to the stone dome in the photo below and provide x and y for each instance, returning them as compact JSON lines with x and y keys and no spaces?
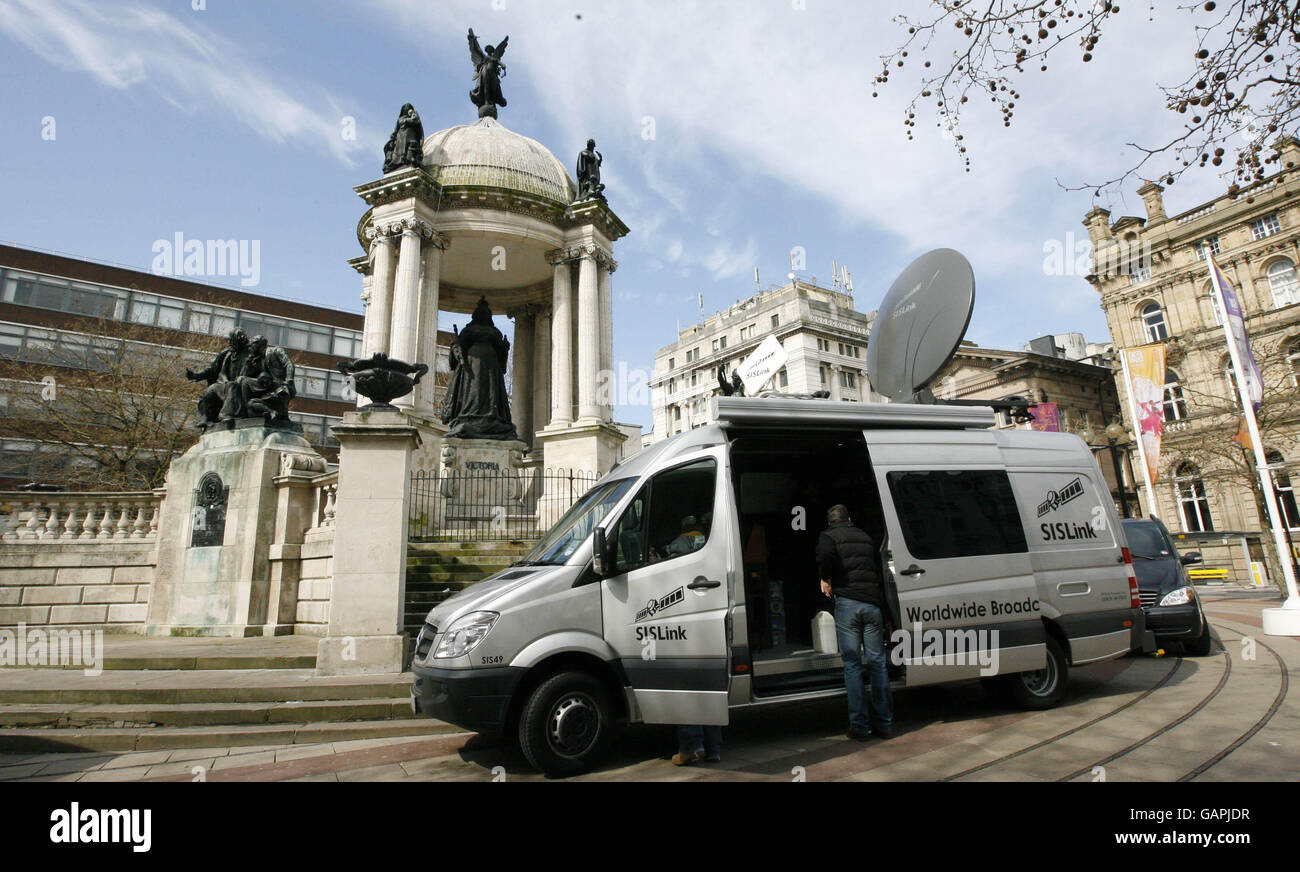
{"x":487,"y":154}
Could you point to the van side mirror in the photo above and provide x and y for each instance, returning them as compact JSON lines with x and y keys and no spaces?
{"x":1190,"y":558}
{"x":602,"y":556}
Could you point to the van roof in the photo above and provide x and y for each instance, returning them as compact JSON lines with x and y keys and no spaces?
{"x":785,"y":412}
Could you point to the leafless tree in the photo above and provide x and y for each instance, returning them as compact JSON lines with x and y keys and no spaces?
{"x":106,"y":412}
{"x":1238,"y":98}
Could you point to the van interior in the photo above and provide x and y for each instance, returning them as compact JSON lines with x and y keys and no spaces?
{"x":784,"y":485}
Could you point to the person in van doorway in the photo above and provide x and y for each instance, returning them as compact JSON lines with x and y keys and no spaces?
{"x":846,"y":566}
{"x":697,"y":745}
{"x":691,"y":538}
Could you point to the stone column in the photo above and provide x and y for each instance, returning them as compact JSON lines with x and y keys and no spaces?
{"x":541,"y":398}
{"x":561,"y":343}
{"x":589,"y":411}
{"x":379,"y":310}
{"x":430,"y":286}
{"x":370,"y":521}
{"x":834,"y":376}
{"x":405,"y":330}
{"x":607,"y":339}
{"x":521,"y":373}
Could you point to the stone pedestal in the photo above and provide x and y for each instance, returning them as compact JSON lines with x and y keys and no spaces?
{"x":481,"y":479}
{"x":370,"y":522}
{"x":591,"y":448}
{"x":215,"y":532}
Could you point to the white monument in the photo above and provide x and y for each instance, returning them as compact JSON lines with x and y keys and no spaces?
{"x":490,"y":213}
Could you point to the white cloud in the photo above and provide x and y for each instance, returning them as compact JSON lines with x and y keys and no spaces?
{"x":125,"y":46}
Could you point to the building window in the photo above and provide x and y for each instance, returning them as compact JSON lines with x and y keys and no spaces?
{"x":1138,"y":273}
{"x":776,"y":321}
{"x":672,"y":362}
{"x":1293,"y":362}
{"x":1212,"y":242}
{"x":1283,"y":490}
{"x":1284,"y":283}
{"x":823,"y":345}
{"x":677,"y":413}
{"x":822,"y":371}
{"x":1175,"y":405}
{"x":748,"y":332}
{"x":783,"y":377}
{"x":1193,"y":506}
{"x":1153,"y":322}
{"x":1266,"y":226}
{"x":847,"y":379}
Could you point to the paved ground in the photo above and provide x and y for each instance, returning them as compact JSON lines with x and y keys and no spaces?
{"x":1226,"y":717}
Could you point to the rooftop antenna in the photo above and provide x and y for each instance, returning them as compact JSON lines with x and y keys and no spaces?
{"x":835,"y":274}
{"x":757,"y":285}
{"x":846,"y":281}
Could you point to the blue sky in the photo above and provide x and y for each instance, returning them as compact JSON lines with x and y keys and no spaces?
{"x":228,"y":122}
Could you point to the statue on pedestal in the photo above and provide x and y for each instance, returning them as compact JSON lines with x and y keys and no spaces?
{"x":405,"y":147}
{"x":589,"y":161}
{"x":476,"y":405}
{"x":488,"y":72}
{"x":246,"y":380}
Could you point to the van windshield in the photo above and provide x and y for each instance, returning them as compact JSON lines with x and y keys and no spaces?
{"x":576,"y":525}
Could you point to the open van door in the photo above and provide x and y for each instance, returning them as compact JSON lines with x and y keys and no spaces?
{"x":959,"y":554}
{"x":666,"y":607}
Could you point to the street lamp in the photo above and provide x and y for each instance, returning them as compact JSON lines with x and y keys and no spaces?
{"x":1113,"y":436}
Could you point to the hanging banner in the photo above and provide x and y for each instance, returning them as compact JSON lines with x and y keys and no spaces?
{"x":1145,"y":365}
{"x":1047,"y":417}
{"x":1237,"y":329}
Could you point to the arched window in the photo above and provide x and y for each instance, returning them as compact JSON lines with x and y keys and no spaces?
{"x":1193,"y":506}
{"x":1293,"y":361}
{"x":1175,"y":405}
{"x":1153,"y":323}
{"x":1283,"y":490}
{"x":1284,"y":283}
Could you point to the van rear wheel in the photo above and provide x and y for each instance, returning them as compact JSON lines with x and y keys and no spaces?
{"x":1043,"y":688}
{"x":567,"y":724}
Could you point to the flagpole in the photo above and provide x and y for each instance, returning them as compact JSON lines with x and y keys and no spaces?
{"x":1281,"y":624}
{"x":1137,"y":427}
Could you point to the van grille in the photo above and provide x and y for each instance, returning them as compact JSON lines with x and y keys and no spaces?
{"x":1148,"y":598}
{"x":424,"y":641}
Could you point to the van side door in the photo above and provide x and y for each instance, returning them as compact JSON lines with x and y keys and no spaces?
{"x":666,"y":609}
{"x":966,"y":588}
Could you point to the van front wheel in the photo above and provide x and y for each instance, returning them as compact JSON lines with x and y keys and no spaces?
{"x":567,"y":724}
{"x":1043,"y":688}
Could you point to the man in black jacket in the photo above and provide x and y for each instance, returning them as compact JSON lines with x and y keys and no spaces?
{"x":846,"y":561}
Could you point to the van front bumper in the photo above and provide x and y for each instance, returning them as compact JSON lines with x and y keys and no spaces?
{"x":473,"y":699}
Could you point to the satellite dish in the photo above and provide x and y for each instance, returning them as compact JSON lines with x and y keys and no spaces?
{"x":920,"y":323}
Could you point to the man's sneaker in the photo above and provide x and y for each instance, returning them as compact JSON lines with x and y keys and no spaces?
{"x":714,"y":758}
{"x":857,"y":736}
{"x":680,"y":759}
{"x":884,"y":735}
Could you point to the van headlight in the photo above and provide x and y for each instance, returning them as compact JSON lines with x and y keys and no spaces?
{"x":1179,"y":597}
{"x":466,"y":632}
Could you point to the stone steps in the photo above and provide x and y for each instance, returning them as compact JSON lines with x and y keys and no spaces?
{"x":204,"y":713}
{"x":58,"y":739}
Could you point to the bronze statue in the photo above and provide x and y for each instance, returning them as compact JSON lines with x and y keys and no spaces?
{"x":247,"y":380}
{"x":222,"y":400}
{"x":267,"y":385}
{"x":589,"y":161}
{"x":382,"y":379}
{"x":488,"y":73}
{"x":406,"y":145}
{"x":476,"y":406}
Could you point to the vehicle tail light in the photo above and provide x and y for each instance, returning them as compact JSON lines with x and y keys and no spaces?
{"x":1135,"y":598}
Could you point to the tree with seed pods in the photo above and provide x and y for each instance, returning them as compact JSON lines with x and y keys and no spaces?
{"x":1238,"y":98}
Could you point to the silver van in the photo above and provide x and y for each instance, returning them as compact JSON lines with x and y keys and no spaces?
{"x":684,"y":585}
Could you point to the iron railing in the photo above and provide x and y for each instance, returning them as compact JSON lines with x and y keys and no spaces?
{"x":480,"y":506}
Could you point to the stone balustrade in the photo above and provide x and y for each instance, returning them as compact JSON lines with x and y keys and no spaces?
{"x":65,"y":517}
{"x":325,"y":490}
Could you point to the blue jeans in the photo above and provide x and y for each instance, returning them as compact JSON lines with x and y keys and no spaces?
{"x":706,"y":739}
{"x":861,"y":631}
